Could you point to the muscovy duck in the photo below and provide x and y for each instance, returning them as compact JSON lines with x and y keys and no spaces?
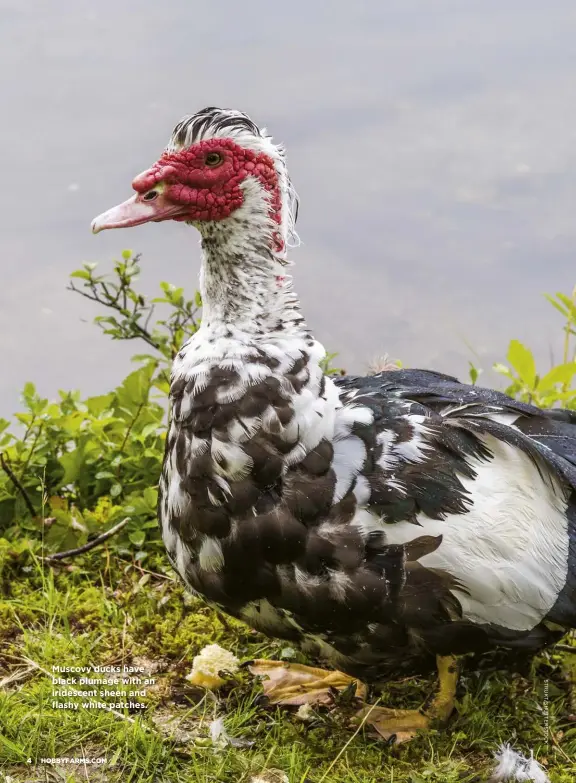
{"x":374,"y":521}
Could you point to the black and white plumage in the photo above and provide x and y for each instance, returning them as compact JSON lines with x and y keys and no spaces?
{"x":374,"y":521}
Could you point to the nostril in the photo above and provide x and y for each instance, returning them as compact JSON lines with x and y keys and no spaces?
{"x":150,"y":196}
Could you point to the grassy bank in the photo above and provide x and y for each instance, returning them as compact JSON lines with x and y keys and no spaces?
{"x":104,"y":611}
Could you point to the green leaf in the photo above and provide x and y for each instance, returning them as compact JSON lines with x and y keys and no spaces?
{"x":522,"y":361}
{"x":72,"y":462}
{"x":115,"y":490}
{"x":502,"y":369}
{"x":569,"y":303}
{"x":135,"y":389}
{"x":151,"y":496}
{"x":148,"y":429}
{"x":474,"y":373}
{"x":162,"y":385}
{"x":562,"y":373}
{"x":82,"y":273}
{"x":143,"y":357}
{"x":137,"y":537}
{"x":567,"y":397}
{"x":97,"y":405}
{"x":29,"y":391}
{"x":555,"y":304}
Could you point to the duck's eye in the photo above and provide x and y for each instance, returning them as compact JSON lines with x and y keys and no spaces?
{"x":213,"y":159}
{"x":150,"y":196}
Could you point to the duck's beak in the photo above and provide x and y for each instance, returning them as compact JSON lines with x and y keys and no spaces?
{"x":135,"y":211}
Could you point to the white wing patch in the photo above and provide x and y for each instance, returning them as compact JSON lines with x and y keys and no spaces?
{"x":210,"y":556}
{"x":349,"y":450}
{"x":349,"y":457}
{"x":362,"y":490}
{"x":388,"y":459}
{"x":414,"y":450}
{"x":510,"y":551}
{"x":313,"y":420}
{"x":348,"y":416}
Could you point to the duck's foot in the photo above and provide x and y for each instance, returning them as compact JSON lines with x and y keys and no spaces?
{"x":295,"y":684}
{"x":402,"y":725}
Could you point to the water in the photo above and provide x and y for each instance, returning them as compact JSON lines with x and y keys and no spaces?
{"x":433,"y":146}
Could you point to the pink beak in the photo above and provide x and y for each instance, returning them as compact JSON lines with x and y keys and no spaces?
{"x":136,"y":211}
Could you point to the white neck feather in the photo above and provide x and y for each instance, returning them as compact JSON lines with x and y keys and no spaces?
{"x":243,"y":280}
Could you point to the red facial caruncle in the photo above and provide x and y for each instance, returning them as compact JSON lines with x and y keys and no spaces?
{"x":200,"y":183}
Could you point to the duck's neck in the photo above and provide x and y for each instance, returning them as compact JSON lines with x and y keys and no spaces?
{"x":243,"y":280}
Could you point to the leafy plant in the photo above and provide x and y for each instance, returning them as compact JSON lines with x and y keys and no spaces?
{"x":133,"y":314}
{"x":554,"y":388}
{"x":82,"y":464}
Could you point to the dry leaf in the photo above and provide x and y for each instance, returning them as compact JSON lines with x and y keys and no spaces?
{"x":401,"y":724}
{"x":296,"y":684}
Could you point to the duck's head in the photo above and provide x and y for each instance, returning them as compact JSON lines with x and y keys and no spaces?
{"x":219,"y":170}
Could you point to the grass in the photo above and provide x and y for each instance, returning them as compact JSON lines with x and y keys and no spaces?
{"x":102,"y":611}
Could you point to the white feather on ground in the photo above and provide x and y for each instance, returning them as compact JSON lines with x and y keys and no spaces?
{"x":513,"y":767}
{"x":270,"y":776}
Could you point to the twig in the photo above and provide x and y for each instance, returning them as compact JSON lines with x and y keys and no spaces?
{"x":565,"y":648}
{"x":558,"y":748}
{"x":29,"y":428}
{"x":14,"y":479}
{"x":343,"y":749}
{"x":36,"y":439}
{"x":90,"y":545}
{"x":128,"y":431}
{"x":222,"y":619}
{"x":146,"y":571}
{"x":140,"y":332}
{"x":15,"y":676}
